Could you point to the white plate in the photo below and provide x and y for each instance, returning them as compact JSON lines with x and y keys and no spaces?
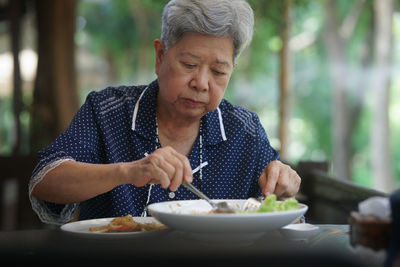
{"x":82,"y":227}
{"x":189,"y":216}
{"x":299,"y":231}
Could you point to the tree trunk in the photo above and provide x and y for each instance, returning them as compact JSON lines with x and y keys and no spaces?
{"x":363,"y":82}
{"x":285,"y":80}
{"x":380,"y":147}
{"x":336,"y":51}
{"x":143,"y":28}
{"x":55,"y":96}
{"x":344,"y":116}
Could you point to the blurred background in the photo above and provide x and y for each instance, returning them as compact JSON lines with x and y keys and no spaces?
{"x":322,"y":75}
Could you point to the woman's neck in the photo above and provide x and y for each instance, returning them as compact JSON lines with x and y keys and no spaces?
{"x":177,"y":129}
{"x":179,"y":134}
{"x":176,"y":125}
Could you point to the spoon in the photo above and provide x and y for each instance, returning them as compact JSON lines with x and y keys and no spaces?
{"x":218,"y":207}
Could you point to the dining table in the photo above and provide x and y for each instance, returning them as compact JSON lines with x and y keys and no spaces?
{"x":54,"y":247}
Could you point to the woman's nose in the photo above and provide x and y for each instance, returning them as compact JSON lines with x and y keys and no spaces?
{"x":200,"y":80}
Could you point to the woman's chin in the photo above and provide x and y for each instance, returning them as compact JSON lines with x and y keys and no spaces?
{"x":193,"y":113}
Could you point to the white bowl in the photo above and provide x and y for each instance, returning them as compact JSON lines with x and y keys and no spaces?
{"x":191,"y":216}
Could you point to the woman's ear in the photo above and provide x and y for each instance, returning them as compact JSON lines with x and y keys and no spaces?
{"x":159,"y":49}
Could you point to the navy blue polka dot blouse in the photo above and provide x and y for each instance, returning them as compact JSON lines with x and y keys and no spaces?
{"x":119,"y":125}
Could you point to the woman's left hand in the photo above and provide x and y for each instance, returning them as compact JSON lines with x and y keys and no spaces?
{"x":279,"y":179}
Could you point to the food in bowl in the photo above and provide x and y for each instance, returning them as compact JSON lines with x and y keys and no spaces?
{"x":271,"y":204}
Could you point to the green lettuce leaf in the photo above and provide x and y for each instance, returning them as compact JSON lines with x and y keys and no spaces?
{"x":271,"y":204}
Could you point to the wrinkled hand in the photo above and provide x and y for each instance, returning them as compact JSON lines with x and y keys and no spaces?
{"x":165,"y":166}
{"x":279,"y":179}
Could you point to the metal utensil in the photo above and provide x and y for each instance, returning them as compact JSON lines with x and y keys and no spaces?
{"x":218,"y":207}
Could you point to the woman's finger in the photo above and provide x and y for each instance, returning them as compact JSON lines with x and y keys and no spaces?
{"x":160,"y":160}
{"x":175,"y":165}
{"x":157,"y":175}
{"x":288,"y":182}
{"x":187,"y":173}
{"x":271,"y":175}
{"x":294,"y":184}
{"x":282,"y":184}
{"x":176,"y":180}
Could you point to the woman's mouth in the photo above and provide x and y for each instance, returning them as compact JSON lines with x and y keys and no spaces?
{"x":192,"y":103}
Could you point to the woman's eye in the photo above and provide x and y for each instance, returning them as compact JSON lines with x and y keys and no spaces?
{"x":189,"y":65}
{"x":219,"y":73}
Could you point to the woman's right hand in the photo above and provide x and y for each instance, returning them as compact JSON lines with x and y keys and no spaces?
{"x":165,"y":166}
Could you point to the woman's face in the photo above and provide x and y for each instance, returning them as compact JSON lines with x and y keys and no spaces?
{"x":193,"y":74}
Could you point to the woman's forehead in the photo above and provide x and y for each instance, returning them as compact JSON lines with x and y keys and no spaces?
{"x":199,"y":47}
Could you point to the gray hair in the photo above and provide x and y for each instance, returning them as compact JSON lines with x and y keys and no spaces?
{"x":221,"y":18}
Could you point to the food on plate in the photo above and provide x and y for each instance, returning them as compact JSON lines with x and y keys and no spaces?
{"x":126,"y":224}
{"x":270,"y":204}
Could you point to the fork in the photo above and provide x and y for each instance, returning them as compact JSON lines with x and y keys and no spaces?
{"x":218,"y":207}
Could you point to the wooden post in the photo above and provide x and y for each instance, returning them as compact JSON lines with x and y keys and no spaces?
{"x":55,"y":95}
{"x":15,"y":16}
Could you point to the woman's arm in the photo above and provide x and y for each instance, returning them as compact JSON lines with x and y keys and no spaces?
{"x":73,"y":181}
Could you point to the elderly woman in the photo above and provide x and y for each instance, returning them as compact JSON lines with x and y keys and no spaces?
{"x":131,"y":146}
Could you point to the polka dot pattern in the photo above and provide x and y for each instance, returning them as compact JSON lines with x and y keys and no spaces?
{"x":101,"y":132}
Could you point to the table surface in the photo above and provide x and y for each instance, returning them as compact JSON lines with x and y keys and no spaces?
{"x":331,"y":246}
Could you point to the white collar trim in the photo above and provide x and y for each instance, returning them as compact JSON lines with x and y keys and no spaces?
{"x":221,"y":124}
{"x":135,"y":110}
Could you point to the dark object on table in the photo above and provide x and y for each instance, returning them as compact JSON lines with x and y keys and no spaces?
{"x":369,"y":231}
{"x":393,"y":257}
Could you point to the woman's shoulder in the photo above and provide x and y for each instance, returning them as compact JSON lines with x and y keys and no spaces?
{"x":233,"y":112}
{"x":114,"y":94}
{"x":239,"y":118}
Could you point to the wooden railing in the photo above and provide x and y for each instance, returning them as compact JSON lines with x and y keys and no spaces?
{"x":330,"y":199}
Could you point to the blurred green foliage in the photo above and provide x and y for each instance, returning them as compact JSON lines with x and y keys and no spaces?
{"x":254,"y":83}
{"x":7,"y":126}
{"x":6,"y":121}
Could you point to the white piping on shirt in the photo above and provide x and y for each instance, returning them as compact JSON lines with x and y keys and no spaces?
{"x":200,"y":166}
{"x":221,"y":124}
{"x":135,"y":111}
